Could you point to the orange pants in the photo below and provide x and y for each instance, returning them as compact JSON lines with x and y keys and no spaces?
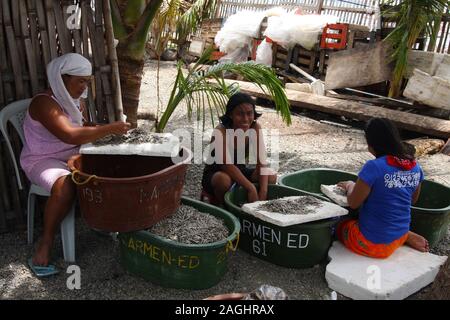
{"x":349,"y":234}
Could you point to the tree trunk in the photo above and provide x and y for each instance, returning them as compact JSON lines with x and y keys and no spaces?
{"x":131,"y":72}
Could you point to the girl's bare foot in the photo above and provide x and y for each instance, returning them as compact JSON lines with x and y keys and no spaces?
{"x":417,"y":242}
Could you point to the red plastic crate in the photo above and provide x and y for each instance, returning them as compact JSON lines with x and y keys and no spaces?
{"x":334,"y":36}
{"x":216,"y":55}
{"x":256,"y":43}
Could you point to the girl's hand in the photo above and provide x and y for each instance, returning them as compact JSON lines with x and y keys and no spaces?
{"x":262,"y":194}
{"x":346,"y":185}
{"x":252,"y":194}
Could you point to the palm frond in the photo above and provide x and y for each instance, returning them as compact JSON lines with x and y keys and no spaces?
{"x":412,"y":18}
{"x":165,"y":23}
{"x":192,"y":17}
{"x":217,"y":91}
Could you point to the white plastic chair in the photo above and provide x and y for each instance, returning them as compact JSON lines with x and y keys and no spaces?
{"x":15,"y":113}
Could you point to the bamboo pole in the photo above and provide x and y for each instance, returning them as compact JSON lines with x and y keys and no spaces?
{"x":13,"y":51}
{"x":30,"y":55}
{"x":113,"y":60}
{"x":43,"y":32}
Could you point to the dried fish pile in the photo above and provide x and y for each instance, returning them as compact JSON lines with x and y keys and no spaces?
{"x":339,"y":191}
{"x":190,"y":226}
{"x":135,"y":136}
{"x":301,"y":205}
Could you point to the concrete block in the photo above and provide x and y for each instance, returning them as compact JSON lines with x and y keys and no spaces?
{"x":324,"y":211}
{"x":405,"y":272}
{"x":168,"y":148}
{"x":430,"y":90}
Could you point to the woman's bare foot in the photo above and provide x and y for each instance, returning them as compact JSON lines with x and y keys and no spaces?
{"x":417,"y":242}
{"x":42,"y":255}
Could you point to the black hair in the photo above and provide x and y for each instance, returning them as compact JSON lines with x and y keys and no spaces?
{"x":234,"y":101}
{"x":382,"y":135}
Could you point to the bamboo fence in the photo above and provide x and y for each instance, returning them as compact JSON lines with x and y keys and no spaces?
{"x":32,"y":33}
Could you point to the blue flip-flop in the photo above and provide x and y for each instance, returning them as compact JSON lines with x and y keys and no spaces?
{"x":42,"y":271}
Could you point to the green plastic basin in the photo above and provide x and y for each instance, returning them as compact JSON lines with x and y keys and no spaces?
{"x":177,"y":265}
{"x":430,"y":216}
{"x":296,"y":246}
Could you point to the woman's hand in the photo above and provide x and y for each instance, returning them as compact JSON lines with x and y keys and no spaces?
{"x":252,"y":194}
{"x":119,"y":127}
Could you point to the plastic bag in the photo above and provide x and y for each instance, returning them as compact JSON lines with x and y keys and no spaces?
{"x":238,"y":30}
{"x":236,"y":56}
{"x":267,"y":292}
{"x":264,"y":53}
{"x":291,"y":29}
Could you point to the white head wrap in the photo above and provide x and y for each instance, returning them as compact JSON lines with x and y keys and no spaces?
{"x":72,"y":64}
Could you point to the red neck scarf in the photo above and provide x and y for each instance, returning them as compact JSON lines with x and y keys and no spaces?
{"x":404,"y":164}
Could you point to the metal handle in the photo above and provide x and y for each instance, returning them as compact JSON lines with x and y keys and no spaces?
{"x":84,"y":182}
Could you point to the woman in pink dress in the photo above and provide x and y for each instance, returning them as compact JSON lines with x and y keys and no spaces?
{"x":54,"y":130}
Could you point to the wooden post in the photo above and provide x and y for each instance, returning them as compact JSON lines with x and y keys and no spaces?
{"x":319,"y":7}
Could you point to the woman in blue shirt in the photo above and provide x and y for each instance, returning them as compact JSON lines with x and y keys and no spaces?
{"x":385,"y":190}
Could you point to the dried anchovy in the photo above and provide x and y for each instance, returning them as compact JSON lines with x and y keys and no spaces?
{"x":190,"y":226}
{"x":301,"y":205}
{"x":339,"y":190}
{"x":136,"y":136}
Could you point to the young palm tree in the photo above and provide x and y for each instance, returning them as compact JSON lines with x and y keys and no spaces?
{"x":131,"y":24}
{"x":412,"y":18}
{"x":132,"y":20}
{"x":175,"y":21}
{"x":206,"y":91}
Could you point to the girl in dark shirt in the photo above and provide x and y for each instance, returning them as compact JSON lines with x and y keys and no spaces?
{"x":237,"y":139}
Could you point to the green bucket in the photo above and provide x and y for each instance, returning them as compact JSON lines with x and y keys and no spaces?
{"x":177,"y":265}
{"x":430,"y":215}
{"x":297,"y":246}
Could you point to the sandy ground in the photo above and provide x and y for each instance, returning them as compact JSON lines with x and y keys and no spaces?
{"x":307,"y":143}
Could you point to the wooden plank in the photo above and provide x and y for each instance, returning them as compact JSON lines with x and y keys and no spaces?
{"x":377,"y":101}
{"x":350,"y":109}
{"x":359,"y":67}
